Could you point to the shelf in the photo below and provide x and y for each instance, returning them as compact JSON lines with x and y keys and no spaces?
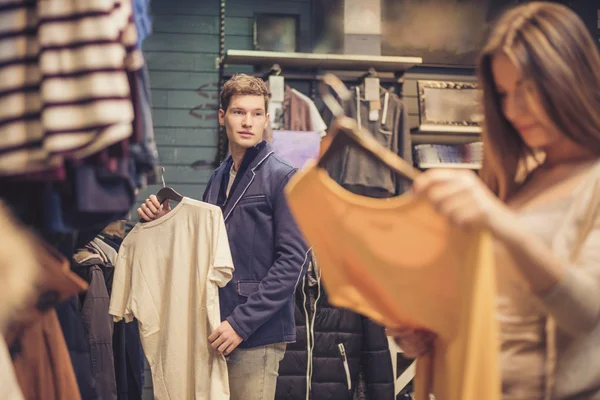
{"x":450,"y":165}
{"x":428,"y":138}
{"x":321,"y":61}
{"x":430,"y":128}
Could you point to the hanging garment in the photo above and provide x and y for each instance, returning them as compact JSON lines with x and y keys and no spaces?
{"x":295,"y":114}
{"x":168,"y":276}
{"x":73,"y":329}
{"x":316,"y":121}
{"x":143,"y":20}
{"x":129,"y":360}
{"x":144,"y":151}
{"x":42,"y":363}
{"x":356,"y":170}
{"x":64,"y":89}
{"x":296,"y":148}
{"x":97,"y":321}
{"x":18,"y":272}
{"x":400,"y":263}
{"x":334,"y":346}
{"x":9,"y":387}
{"x":40,"y":356}
{"x":127,"y":347}
{"x":19,"y":267}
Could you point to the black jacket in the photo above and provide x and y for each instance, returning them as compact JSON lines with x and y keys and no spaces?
{"x":340,"y":345}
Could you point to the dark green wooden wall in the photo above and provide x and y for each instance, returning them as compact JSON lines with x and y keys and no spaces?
{"x":181,"y":55}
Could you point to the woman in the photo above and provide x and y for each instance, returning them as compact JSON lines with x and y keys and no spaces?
{"x":540,"y":74}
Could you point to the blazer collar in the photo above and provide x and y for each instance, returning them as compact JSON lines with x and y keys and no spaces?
{"x":253,"y":158}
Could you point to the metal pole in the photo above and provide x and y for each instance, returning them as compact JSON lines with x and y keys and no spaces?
{"x":222,"y":143}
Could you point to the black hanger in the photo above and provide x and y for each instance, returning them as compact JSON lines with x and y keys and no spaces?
{"x":274,"y":70}
{"x":371,"y":73}
{"x":345,"y":131}
{"x":167,"y":193}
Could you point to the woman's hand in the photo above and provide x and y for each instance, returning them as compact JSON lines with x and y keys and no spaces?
{"x":463,"y":198}
{"x":413,"y":342}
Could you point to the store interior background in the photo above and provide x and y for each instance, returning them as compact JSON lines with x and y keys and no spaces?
{"x":181,"y":55}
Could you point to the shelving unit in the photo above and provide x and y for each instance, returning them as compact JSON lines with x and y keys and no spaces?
{"x":449,"y":129}
{"x":473,"y":166}
{"x":429,"y":138}
{"x":311,"y":67}
{"x":314,"y":61}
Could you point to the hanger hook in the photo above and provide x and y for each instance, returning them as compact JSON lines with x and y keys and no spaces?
{"x":328,"y":82}
{"x":276,"y":69}
{"x":162,"y":176}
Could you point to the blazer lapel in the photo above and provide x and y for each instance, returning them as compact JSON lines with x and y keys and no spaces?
{"x":246,"y":180}
{"x":215,"y":185}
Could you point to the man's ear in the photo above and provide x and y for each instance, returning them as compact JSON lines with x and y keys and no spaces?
{"x":267,"y":119}
{"x":221,"y":115}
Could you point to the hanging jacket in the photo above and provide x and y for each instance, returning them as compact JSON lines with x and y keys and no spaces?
{"x":97,"y":321}
{"x":358,"y":171}
{"x":296,"y":114}
{"x":334,"y":347}
{"x":40,"y":355}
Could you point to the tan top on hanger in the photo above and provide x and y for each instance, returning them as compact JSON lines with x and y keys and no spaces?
{"x":400,"y":263}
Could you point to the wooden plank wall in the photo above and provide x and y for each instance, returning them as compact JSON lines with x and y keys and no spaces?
{"x":181,"y":55}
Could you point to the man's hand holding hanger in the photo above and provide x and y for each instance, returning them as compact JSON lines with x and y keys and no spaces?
{"x":151,"y":209}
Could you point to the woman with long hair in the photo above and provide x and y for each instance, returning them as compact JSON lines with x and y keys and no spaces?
{"x":539,"y":196}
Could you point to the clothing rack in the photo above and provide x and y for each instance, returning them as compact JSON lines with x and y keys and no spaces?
{"x":311,"y":68}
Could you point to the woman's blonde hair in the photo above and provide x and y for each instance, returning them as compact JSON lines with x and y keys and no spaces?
{"x":553,"y":50}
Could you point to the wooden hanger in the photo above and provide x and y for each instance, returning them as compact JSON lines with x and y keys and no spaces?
{"x":345,"y":131}
{"x":167,"y":193}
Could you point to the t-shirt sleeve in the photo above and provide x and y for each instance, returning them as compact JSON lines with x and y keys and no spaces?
{"x":221,"y":268}
{"x":130,"y":297}
{"x":121,"y":295}
{"x":574,"y":302}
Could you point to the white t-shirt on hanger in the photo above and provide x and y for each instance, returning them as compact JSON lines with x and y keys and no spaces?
{"x":167,"y":275}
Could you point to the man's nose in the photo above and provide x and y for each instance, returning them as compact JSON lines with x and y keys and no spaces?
{"x":247,"y":121}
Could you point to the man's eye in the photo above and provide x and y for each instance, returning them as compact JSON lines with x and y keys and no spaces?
{"x":238,"y":112}
{"x":259,"y":114}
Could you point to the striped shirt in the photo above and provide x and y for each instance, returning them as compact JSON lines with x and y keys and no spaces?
{"x":64,"y":89}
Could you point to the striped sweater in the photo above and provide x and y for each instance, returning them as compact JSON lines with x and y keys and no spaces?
{"x":64,"y":89}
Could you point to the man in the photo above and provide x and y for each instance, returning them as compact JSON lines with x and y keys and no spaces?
{"x":269,"y":253}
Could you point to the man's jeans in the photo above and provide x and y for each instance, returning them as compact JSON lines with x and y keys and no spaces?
{"x":253,"y":372}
